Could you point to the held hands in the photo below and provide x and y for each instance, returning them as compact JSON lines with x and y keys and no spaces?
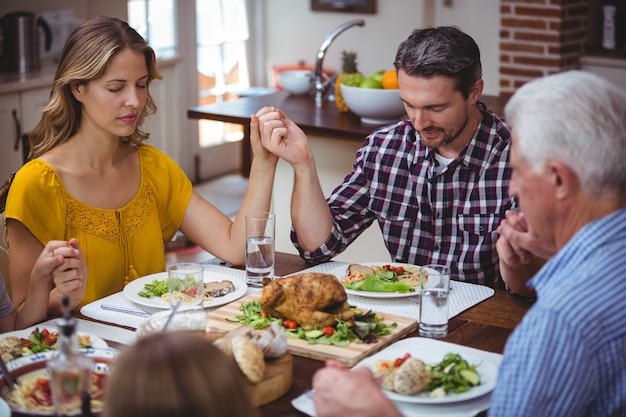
{"x":282,"y":137}
{"x":521,"y":254}
{"x":516,"y":245}
{"x":258,"y":150}
{"x":64,"y":261}
{"x":340,"y":391}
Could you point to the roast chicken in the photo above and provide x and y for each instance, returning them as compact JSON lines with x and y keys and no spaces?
{"x":310,"y":299}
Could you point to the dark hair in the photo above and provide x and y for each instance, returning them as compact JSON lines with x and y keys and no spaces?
{"x":442,"y":51}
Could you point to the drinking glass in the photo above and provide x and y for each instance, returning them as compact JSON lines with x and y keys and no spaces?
{"x":260,"y":229}
{"x":433,"y":302}
{"x":186,"y":284}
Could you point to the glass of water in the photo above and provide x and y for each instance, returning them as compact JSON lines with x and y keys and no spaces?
{"x":433,"y":302}
{"x":260,"y":229}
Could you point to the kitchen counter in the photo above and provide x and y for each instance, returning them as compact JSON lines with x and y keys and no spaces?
{"x":11,"y":82}
{"x":325,"y":121}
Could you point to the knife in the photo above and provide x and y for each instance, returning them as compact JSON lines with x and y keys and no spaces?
{"x":128,"y":310}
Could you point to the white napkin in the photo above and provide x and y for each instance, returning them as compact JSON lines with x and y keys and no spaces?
{"x":469,"y":408}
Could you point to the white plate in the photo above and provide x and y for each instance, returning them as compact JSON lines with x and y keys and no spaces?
{"x":96,"y":342}
{"x":102,"y":353}
{"x":102,"y":361}
{"x":131,"y":290}
{"x":430,"y":352}
{"x":5,"y":410}
{"x":341,"y":272}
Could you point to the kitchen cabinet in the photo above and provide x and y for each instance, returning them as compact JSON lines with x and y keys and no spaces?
{"x":10,"y":159}
{"x":18,"y":111}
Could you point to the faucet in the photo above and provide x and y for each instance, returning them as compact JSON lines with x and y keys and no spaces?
{"x":320,"y":81}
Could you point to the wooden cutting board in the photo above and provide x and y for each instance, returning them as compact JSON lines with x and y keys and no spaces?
{"x":350,"y":355}
{"x":277,"y":380}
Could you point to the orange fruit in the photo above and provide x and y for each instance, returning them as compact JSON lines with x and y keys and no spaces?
{"x":390,"y":80}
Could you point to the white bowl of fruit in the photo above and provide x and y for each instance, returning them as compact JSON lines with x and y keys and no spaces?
{"x":373,"y":103}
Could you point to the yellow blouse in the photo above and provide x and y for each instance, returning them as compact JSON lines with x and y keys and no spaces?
{"x":119,"y":245}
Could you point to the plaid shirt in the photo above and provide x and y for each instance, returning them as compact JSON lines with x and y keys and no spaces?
{"x":446,"y":218}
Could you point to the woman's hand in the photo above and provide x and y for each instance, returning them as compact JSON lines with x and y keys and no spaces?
{"x":283,"y":137}
{"x":70,"y":276}
{"x":258,"y":150}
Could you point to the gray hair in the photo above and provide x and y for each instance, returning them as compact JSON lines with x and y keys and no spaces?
{"x":578,"y":118}
{"x":442,"y":51}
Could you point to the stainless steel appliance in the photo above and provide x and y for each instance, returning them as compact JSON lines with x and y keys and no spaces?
{"x":20,"y":41}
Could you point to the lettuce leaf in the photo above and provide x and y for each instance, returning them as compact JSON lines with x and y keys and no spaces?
{"x":375,"y":284}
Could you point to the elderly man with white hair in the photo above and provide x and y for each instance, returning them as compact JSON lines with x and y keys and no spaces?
{"x":568,"y":355}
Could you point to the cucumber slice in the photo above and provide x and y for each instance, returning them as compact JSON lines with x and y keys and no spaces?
{"x":470,"y":376}
{"x":313,"y":334}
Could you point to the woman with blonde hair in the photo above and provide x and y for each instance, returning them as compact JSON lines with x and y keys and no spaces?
{"x":93,"y":183}
{"x":170,"y":374}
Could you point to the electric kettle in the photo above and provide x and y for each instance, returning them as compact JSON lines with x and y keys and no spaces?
{"x":20,"y":41}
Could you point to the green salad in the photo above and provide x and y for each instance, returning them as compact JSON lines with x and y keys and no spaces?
{"x":387,"y":278}
{"x":365,"y":328}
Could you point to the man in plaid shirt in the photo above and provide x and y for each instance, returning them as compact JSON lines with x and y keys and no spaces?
{"x":436,"y":183}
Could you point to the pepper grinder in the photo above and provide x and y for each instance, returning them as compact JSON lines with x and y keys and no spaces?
{"x":70,"y":370}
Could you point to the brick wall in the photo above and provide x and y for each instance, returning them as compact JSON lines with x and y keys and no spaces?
{"x":538,"y":38}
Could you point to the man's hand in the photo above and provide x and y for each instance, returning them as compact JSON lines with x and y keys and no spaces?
{"x":340,"y":391}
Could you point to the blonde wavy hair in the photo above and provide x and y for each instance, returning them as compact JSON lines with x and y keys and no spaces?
{"x":87,"y":51}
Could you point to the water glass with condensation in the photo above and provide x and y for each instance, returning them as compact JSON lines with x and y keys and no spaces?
{"x":433,"y":302}
{"x":186,"y":284}
{"x":260,"y":229}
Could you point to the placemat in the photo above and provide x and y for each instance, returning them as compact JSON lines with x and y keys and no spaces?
{"x":94,"y":311}
{"x":462,"y":296}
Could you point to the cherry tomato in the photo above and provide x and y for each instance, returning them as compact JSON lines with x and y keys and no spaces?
{"x":328,"y":331}
{"x":44,"y":332}
{"x":191,"y":291}
{"x":401,"y":360}
{"x":399,"y":270}
{"x":50,"y":339}
{"x":263,"y":314}
{"x":290,"y":324}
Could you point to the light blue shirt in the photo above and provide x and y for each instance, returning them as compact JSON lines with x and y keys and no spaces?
{"x":568,"y":355}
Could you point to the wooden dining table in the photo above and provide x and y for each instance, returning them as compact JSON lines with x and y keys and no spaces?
{"x":485,"y":326}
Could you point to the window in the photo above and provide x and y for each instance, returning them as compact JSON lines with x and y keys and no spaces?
{"x":221,"y":37}
{"x":154,"y":20}
{"x":221,"y":34}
